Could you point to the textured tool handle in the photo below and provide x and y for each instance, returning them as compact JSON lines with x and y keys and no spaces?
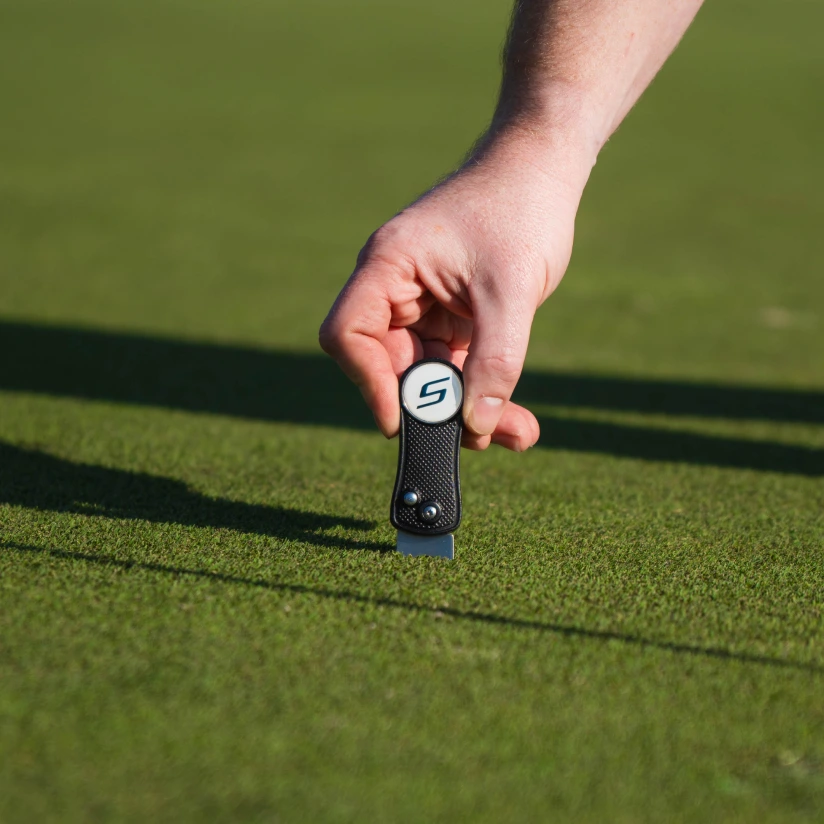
{"x":431,"y":394}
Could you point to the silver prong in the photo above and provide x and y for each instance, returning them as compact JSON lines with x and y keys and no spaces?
{"x":438,"y":546}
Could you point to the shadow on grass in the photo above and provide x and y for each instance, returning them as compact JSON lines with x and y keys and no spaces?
{"x":655,"y":444}
{"x":309,"y":389}
{"x":39,"y":481}
{"x":465,"y":615}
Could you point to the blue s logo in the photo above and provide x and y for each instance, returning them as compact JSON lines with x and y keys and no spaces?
{"x":425,"y":393}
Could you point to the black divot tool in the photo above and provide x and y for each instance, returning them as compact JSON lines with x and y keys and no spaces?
{"x":426,"y":503}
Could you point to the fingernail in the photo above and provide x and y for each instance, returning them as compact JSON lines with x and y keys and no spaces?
{"x":485,"y":414}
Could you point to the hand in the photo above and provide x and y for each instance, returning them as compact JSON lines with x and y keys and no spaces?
{"x":459,"y":275}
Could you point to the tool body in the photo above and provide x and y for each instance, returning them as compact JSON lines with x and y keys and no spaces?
{"x":426,"y":503}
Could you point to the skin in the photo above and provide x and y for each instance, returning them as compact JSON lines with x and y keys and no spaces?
{"x":460,"y":273}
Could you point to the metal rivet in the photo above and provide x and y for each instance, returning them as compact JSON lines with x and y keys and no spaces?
{"x":410,"y":498}
{"x":430,"y":512}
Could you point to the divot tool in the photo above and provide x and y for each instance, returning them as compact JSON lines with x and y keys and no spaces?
{"x":426,"y":503}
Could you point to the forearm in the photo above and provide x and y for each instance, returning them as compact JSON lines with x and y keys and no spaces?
{"x":574,"y":68}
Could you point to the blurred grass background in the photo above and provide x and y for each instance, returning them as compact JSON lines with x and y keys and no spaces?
{"x":199,"y":619}
{"x":178,"y":167}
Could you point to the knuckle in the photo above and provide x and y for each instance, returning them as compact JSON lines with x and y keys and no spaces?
{"x":505,"y":366}
{"x":329,"y":336}
{"x":380,"y":242}
{"x":393,"y":244}
{"x":387,"y":235}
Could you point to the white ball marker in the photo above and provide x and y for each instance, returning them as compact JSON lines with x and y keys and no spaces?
{"x":432,"y":392}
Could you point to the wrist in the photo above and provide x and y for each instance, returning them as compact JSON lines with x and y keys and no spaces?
{"x":559,"y":116}
{"x":556,"y":143}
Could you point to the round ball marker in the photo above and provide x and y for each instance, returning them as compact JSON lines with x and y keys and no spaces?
{"x":432,"y":392}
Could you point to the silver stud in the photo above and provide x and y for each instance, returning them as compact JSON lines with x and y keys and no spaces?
{"x":410,"y":498}
{"x":430,"y":512}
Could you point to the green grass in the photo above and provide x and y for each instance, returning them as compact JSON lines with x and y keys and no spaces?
{"x":199,"y":620}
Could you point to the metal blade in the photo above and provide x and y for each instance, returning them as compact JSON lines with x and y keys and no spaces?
{"x":438,"y":546}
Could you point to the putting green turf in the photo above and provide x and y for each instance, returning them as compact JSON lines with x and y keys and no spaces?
{"x":199,"y":617}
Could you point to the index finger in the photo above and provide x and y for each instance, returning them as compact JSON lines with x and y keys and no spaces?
{"x":353,"y":333}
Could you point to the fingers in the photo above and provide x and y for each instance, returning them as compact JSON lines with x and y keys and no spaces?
{"x":502,"y":323}
{"x":517,"y":430}
{"x":477,"y":443}
{"x":353,"y":333}
{"x":404,"y":348}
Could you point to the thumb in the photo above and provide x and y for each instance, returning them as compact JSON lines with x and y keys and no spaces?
{"x":500,"y":337}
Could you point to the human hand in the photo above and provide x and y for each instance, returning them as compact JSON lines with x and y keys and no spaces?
{"x":459,"y":275}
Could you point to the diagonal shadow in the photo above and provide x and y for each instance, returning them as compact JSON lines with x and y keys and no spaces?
{"x":196,"y":377}
{"x":663,"y":397}
{"x":565,"y":630}
{"x":37,"y":480}
{"x":309,"y":389}
{"x":672,"y":446}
